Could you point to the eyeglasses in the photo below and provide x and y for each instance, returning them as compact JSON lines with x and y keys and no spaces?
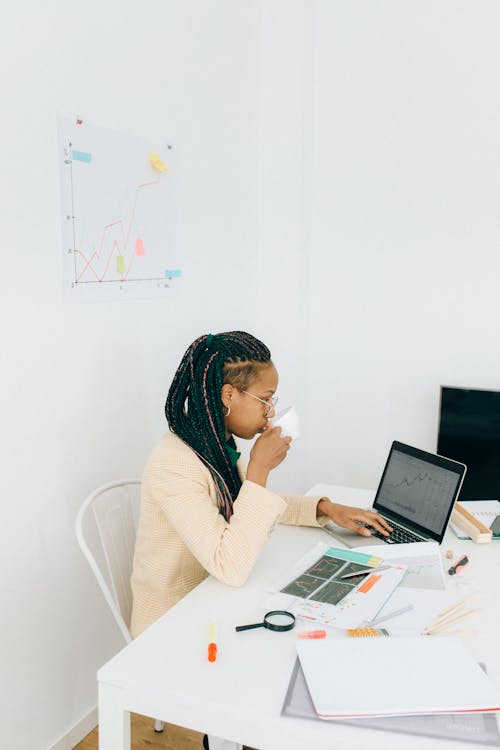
{"x":269,"y":402}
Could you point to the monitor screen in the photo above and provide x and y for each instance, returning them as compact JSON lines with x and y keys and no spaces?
{"x":469,"y":431}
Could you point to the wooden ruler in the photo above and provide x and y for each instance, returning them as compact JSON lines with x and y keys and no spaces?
{"x":465,"y":521}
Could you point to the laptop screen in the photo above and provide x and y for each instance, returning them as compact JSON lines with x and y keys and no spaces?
{"x":419,"y":488}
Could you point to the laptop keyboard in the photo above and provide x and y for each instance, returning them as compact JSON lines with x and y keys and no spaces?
{"x":398,"y":535}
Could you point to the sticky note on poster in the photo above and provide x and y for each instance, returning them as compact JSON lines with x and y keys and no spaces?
{"x":81,"y":156}
{"x":139,"y":246}
{"x":173,"y":273}
{"x":156,"y":162}
{"x":120,"y":264}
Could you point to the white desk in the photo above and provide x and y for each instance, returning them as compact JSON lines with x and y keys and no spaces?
{"x":165,"y":673}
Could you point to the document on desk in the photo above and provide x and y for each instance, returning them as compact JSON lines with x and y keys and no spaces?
{"x":404,"y":676}
{"x":422,"y":559}
{"x":315,"y":589}
{"x":472,"y":727}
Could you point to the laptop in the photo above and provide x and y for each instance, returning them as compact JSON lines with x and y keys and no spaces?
{"x":416,"y":495}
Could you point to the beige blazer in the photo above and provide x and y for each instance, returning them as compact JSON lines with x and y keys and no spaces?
{"x":182,"y":537}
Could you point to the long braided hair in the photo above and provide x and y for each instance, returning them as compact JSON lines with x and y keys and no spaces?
{"x":194,"y":408}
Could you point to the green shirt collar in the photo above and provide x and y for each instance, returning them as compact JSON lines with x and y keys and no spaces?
{"x":232,"y":452}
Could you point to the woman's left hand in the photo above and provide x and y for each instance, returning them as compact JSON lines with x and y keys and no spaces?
{"x":351,"y":518}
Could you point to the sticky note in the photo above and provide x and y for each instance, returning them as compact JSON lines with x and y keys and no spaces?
{"x":173,"y":273}
{"x":350,"y":556}
{"x":81,"y":156}
{"x":120,"y":264}
{"x":157,"y":163}
{"x":139,"y":246}
{"x":368,"y":583}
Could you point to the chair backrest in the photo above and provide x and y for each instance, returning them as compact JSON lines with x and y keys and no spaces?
{"x":116,"y":511}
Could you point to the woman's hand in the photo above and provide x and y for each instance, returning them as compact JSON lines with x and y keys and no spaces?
{"x":268,"y":451}
{"x":351,"y":518}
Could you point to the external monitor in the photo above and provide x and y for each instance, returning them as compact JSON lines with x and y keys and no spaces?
{"x":469,"y":431}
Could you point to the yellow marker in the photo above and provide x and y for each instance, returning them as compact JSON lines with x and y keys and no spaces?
{"x":212,"y":641}
{"x":157,"y":163}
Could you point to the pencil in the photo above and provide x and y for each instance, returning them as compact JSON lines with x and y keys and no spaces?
{"x":458,"y":604}
{"x":436,"y":627}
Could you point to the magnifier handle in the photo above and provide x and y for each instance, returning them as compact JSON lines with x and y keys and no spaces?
{"x":249,"y":627}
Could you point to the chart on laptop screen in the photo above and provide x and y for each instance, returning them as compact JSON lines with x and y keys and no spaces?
{"x":418,"y":490}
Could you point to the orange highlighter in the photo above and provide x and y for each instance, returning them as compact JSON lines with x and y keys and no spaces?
{"x":212,"y":641}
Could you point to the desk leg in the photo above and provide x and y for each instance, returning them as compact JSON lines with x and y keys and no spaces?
{"x":216,"y":743}
{"x":114,"y":721}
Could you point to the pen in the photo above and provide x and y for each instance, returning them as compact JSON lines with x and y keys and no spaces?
{"x":392,"y":614}
{"x":212,"y":641}
{"x":362,"y":572}
{"x":459,"y":563}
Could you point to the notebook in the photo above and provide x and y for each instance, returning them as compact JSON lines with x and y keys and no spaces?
{"x":416,"y":495}
{"x":469,"y":727}
{"x":367,"y":677}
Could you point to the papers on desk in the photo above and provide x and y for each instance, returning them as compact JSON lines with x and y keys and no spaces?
{"x":315,"y":590}
{"x":422,"y":560}
{"x":394,"y":677}
{"x":472,"y":727}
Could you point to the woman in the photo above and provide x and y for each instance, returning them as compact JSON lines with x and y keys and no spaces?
{"x":200,"y":512}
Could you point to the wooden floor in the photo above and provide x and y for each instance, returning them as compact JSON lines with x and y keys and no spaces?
{"x":144,"y":736}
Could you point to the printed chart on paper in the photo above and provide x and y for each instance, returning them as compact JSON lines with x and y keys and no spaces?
{"x":117,"y":206}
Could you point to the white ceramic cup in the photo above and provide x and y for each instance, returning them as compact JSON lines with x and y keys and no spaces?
{"x":288,"y":420}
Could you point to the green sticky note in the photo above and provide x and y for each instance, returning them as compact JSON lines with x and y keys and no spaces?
{"x":120,"y":264}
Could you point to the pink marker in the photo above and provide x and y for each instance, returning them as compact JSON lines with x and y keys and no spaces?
{"x":311,"y":634}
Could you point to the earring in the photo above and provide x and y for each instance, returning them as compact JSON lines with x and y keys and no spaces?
{"x":228,"y":412}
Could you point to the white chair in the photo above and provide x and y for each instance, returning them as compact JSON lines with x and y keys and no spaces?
{"x":116,"y":513}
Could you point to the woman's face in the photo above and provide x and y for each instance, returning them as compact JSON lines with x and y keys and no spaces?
{"x":248,"y":415}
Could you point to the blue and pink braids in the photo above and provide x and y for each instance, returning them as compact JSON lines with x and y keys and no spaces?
{"x":194,"y":409}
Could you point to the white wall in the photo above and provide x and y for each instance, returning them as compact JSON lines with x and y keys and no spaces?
{"x":405,"y":239}
{"x":83,"y":386}
{"x":356,"y":144}
{"x":284,"y":199}
{"x":378,"y":193}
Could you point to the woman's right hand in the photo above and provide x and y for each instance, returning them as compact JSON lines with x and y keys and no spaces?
{"x":268,"y":451}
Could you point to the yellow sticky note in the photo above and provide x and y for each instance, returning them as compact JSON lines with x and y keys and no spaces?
{"x":120,"y":264}
{"x":156,"y":163}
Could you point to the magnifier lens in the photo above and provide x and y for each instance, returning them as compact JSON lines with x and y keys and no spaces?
{"x":279,"y":620}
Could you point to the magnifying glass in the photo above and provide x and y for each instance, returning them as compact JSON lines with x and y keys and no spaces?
{"x":277,"y":620}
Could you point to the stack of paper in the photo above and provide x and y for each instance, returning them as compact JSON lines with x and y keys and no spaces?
{"x":423,"y":561}
{"x":480,"y":728}
{"x":394,"y":677}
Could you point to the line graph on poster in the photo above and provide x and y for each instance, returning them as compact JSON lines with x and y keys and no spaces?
{"x":117,"y":214}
